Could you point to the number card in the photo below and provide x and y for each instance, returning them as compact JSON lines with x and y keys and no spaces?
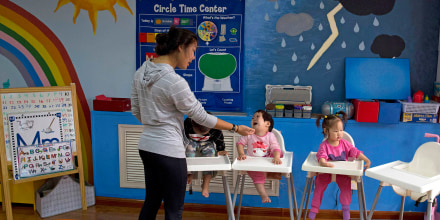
{"x":38,"y":128}
{"x":44,"y":159}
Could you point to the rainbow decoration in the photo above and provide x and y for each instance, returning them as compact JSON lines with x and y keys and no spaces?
{"x":42,"y":60}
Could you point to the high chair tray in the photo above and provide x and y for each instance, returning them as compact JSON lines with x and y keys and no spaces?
{"x":352,"y":168}
{"x":390,"y":173}
{"x":264,"y":164}
{"x":208,"y":163}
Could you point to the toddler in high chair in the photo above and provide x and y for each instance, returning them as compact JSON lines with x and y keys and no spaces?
{"x":334,"y":148}
{"x":262,"y":143}
{"x":203,"y":142}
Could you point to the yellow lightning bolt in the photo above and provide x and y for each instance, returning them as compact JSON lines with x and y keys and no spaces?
{"x":331,"y":38}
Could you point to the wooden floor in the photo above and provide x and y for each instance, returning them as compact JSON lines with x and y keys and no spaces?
{"x":115,"y":209}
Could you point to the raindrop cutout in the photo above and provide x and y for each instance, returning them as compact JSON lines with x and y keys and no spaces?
{"x":375,"y":22}
{"x":296,"y":81}
{"x":292,"y":2}
{"x":321,"y":6}
{"x":342,"y":20}
{"x":362,"y":46}
{"x":332,"y":88}
{"x":320,"y":27}
{"x":276,"y":5}
{"x":312,"y":47}
{"x":283,"y":43}
{"x":343,"y":45}
{"x":356,"y":28}
{"x":274,"y":68}
{"x":294,"y":57}
{"x":328,"y":66}
{"x":301,"y":38}
{"x":266,"y":17}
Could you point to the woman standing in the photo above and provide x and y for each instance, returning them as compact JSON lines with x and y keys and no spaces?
{"x":160,"y":98}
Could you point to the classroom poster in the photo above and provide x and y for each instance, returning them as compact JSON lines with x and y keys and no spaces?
{"x":23,"y":103}
{"x":37,"y":128}
{"x":216,"y":75}
{"x":44,"y":159}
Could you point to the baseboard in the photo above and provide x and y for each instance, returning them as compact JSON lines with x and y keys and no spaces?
{"x":258,"y":211}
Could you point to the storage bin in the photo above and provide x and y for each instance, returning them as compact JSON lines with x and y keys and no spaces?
{"x":61,"y":194}
{"x":297,"y":111}
{"x":279,"y":111}
{"x":389,"y":112}
{"x":307,"y":111}
{"x":366,"y":110}
{"x":288,"y":111}
{"x":270,"y":108}
{"x":422,"y":108}
{"x":113,"y":105}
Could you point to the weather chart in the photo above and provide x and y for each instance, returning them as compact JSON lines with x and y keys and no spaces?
{"x":216,"y":74}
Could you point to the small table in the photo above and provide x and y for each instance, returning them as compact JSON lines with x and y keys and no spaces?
{"x":264,"y":164}
{"x":220,"y":163}
{"x":394,"y":173}
{"x":349,"y":168}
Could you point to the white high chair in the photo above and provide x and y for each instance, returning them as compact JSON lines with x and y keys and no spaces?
{"x":264,"y":164}
{"x":418,"y":179}
{"x":349,"y":168}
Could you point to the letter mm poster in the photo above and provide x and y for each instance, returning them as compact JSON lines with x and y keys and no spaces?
{"x":37,"y":128}
{"x":216,"y":74}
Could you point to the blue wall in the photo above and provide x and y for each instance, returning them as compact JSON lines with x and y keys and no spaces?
{"x":405,"y":29}
{"x":382,"y":143}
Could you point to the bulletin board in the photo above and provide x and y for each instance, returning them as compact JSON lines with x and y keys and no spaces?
{"x":216,"y":74}
{"x":39,"y":136}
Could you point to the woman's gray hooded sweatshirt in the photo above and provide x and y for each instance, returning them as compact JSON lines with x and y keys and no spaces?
{"x":159,"y":99}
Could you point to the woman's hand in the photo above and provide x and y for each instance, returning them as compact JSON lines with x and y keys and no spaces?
{"x":244,"y":130}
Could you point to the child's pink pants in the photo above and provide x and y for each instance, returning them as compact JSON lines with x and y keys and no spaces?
{"x":321,"y":183}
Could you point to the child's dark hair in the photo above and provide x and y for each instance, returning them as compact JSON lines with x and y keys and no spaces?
{"x":266,"y":117}
{"x":329,"y":120}
{"x":168,"y":42}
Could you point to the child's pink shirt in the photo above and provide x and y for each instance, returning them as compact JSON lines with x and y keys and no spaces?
{"x":339,"y":153}
{"x":260,"y":146}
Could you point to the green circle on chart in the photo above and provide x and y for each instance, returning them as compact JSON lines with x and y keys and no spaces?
{"x":217,"y":65}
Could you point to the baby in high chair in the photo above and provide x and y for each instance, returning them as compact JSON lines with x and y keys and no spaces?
{"x":262,"y":143}
{"x":334,"y":148}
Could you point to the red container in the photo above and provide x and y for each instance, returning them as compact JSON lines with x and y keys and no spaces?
{"x":113,"y":105}
{"x":366,"y":111}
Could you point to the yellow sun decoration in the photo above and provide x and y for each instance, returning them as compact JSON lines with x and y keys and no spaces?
{"x":93,"y":6}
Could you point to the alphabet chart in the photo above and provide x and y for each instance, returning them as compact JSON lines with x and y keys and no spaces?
{"x":42,"y":102}
{"x":43,"y":159}
{"x":33,"y":129}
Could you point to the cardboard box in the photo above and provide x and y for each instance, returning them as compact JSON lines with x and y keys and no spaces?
{"x":389,"y":112}
{"x":61,"y":194}
{"x":419,"y":117}
{"x":113,"y":105}
{"x":366,"y":111}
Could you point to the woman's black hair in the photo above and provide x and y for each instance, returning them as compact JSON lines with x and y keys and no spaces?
{"x":169,"y":42}
{"x":266,"y":117}
{"x":330,"y":120}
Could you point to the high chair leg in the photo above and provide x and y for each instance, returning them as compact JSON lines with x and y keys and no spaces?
{"x":237,"y":184}
{"x":289,"y":190}
{"x":229,"y":206}
{"x":361,"y":207}
{"x":376,"y":198}
{"x":294,"y":195}
{"x":402,"y":206}
{"x":308,"y":197}
{"x":428,"y":211}
{"x":301,"y":206}
{"x":363,"y":198}
{"x":241,"y":196}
